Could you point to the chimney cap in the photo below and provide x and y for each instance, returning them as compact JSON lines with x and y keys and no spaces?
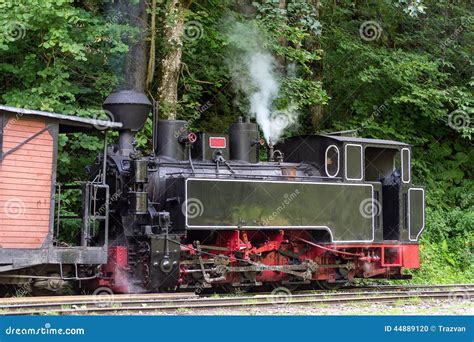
{"x":129,"y":107}
{"x":127,"y":97}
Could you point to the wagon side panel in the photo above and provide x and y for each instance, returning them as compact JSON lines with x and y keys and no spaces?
{"x":26,"y":177}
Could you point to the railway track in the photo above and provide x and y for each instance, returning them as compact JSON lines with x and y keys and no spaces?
{"x":156,"y":303}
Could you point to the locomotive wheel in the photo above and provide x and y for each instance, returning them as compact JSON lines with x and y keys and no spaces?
{"x":324,"y":285}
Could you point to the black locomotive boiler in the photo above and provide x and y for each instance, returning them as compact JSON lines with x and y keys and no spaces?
{"x":204,"y":211}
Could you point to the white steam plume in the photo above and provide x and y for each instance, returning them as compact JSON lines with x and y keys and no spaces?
{"x":255,"y":74}
{"x":261,"y":69}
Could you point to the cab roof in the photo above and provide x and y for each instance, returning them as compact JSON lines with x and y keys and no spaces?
{"x":355,"y":140}
{"x":67,"y":123}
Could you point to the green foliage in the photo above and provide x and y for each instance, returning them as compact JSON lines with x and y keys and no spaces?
{"x":302,"y":92}
{"x":207,"y":98}
{"x":445,"y":262}
{"x":59,"y":56}
{"x":287,"y":31}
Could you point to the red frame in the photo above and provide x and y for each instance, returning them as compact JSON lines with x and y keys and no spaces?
{"x":217,"y":142}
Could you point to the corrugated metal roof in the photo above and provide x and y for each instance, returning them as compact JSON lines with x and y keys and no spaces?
{"x":364,"y":140}
{"x":65,"y":120}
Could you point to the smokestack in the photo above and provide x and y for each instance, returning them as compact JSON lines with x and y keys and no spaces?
{"x":131,"y":108}
{"x":171,"y":139}
{"x":243,"y":138}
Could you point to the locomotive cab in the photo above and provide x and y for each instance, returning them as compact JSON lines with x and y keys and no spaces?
{"x":398,"y":206}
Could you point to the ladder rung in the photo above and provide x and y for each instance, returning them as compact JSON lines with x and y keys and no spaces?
{"x":98,"y":217}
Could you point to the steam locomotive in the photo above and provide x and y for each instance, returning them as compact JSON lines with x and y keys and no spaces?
{"x":203,"y":210}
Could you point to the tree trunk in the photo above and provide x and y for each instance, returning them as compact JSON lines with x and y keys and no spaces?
{"x":313,"y":44}
{"x":170,"y":63}
{"x":282,"y":40}
{"x":136,"y":60}
{"x":151,"y":60}
{"x":244,"y":7}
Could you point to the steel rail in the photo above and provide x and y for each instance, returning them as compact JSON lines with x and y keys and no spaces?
{"x":141,"y":304}
{"x":190,"y":294}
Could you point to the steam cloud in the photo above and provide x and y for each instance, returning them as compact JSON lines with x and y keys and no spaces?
{"x":255,"y":73}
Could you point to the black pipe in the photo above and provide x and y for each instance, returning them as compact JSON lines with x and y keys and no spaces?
{"x":271,"y":153}
{"x":243,"y":138}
